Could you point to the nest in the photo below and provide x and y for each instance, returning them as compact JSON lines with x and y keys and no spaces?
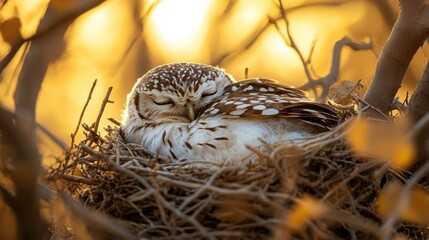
{"x":158,"y":199}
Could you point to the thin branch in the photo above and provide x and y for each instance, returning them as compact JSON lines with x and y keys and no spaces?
{"x":328,"y":80}
{"x":292,"y":42}
{"x":250,"y":42}
{"x":364,"y":224}
{"x":24,"y":175}
{"x":331,"y":77}
{"x":49,"y":27}
{"x":137,"y":35}
{"x":229,"y":56}
{"x":82,"y":113}
{"x":39,"y":126}
{"x":103,"y":106}
{"x":419,"y":126}
{"x":8,"y":198}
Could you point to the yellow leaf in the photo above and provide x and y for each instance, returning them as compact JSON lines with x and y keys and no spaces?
{"x":9,"y":30}
{"x":305,"y":210}
{"x":403,"y":155}
{"x":386,"y":141}
{"x":416,"y":209}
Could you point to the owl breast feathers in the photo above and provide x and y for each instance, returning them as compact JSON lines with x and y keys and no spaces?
{"x":187,"y":111}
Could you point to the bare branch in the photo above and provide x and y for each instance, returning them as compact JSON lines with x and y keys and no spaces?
{"x":137,"y":35}
{"x":24,"y":176}
{"x":55,"y":21}
{"x":8,"y":198}
{"x":103,"y":106}
{"x":83,"y":112}
{"x":331,"y":77}
{"x":40,"y":127}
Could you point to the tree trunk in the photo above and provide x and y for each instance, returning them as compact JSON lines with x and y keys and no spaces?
{"x":419,"y":107}
{"x":408,"y":34}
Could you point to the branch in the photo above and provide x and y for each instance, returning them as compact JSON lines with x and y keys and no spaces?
{"x":46,"y":27}
{"x":103,"y":106}
{"x":221,"y":60}
{"x":24,"y":176}
{"x":83,"y":112}
{"x":328,"y":80}
{"x":40,"y":127}
{"x":331,"y":77}
{"x":137,"y":36}
{"x":418,"y":109}
{"x":409,"y":33}
{"x":8,"y":198}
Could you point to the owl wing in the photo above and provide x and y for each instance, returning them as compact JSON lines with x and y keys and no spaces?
{"x":264,"y":98}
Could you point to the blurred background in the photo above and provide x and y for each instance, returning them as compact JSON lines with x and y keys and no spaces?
{"x":119,"y":40}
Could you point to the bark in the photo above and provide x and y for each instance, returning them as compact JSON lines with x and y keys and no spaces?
{"x":408,"y":34}
{"x":419,"y":107}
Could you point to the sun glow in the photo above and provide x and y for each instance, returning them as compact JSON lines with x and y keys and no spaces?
{"x":177,"y":27}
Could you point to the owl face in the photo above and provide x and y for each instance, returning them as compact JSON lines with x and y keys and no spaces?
{"x":178,"y":91}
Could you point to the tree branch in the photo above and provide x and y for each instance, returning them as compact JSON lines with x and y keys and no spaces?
{"x":45,"y":27}
{"x":409,"y":33}
{"x":418,"y":108}
{"x":331,"y":77}
{"x":24,"y":176}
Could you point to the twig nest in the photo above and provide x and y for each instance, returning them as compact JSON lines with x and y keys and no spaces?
{"x":317,"y":189}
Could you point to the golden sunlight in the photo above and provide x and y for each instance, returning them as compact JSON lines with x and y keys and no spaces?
{"x":177,"y":27}
{"x":95,"y":24}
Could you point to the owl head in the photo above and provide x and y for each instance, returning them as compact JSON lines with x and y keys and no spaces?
{"x":176,"y":92}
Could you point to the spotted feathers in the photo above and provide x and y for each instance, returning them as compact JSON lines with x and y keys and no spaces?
{"x":264,"y":98}
{"x":189,"y":111}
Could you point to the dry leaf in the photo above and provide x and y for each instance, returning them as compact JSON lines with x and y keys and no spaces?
{"x":342,"y":92}
{"x":384,"y":140}
{"x":305,"y":210}
{"x":9,"y":30}
{"x":416,"y":209}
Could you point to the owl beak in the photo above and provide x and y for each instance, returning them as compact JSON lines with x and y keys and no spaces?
{"x":190,"y":111}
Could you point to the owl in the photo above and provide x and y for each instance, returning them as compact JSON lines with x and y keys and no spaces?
{"x":190,"y":111}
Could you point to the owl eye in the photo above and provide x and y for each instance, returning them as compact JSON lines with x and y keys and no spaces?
{"x":208,"y":94}
{"x":165,"y":102}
